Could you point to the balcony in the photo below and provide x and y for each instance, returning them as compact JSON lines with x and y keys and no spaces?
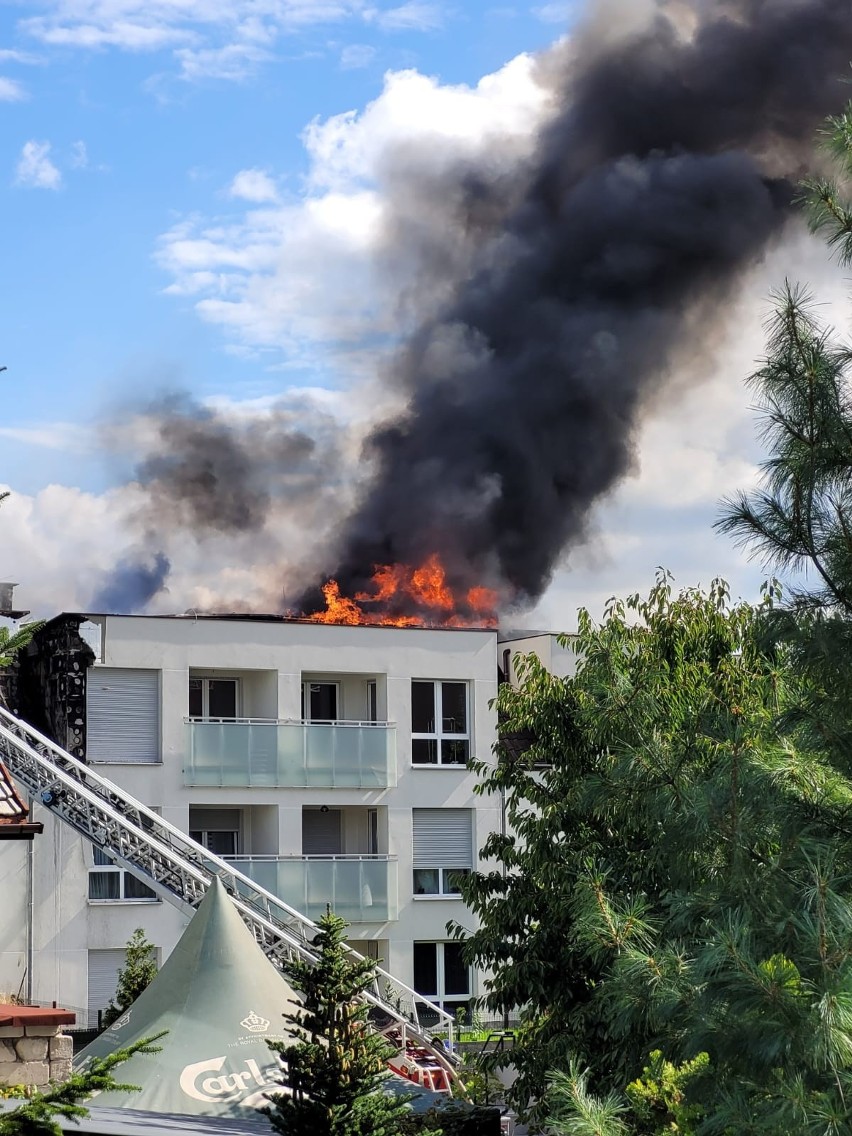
{"x":255,"y":753}
{"x":361,"y":889}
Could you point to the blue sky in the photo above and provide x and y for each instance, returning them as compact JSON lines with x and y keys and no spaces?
{"x":190,"y":193}
{"x":127,"y":141}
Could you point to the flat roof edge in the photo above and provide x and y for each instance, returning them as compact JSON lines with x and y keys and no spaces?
{"x":248,"y":617}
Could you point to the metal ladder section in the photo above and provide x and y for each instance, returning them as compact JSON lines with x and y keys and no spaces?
{"x":180,"y":871}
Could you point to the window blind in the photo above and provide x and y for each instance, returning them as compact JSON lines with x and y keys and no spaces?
{"x":443,"y":838}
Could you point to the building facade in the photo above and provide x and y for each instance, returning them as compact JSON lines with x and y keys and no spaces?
{"x":329,"y":763}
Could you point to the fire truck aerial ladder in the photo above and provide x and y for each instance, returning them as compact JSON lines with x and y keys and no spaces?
{"x":180,"y":871}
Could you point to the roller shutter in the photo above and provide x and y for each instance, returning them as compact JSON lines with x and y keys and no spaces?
{"x":322,"y":832}
{"x":103,"y":979}
{"x":443,"y":838}
{"x":122,"y":715}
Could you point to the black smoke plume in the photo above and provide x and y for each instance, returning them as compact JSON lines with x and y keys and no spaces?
{"x":208,"y":471}
{"x":131,"y":584}
{"x":666,"y":171}
{"x":242,"y":478}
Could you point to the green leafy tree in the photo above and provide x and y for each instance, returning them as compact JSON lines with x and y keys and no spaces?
{"x":673,"y":876}
{"x":42,"y":1114}
{"x":769,"y":967}
{"x":139,"y":970}
{"x":333,"y":1074}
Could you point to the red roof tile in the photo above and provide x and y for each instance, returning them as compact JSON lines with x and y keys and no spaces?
{"x":35,"y":1016}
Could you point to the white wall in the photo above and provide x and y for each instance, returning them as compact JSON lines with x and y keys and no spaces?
{"x":272,"y":658}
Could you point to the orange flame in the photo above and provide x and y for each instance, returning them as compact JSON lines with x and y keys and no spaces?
{"x":398,"y":586}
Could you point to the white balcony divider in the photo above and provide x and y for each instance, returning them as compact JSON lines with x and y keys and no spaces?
{"x":361,"y":889}
{"x":257,"y":752}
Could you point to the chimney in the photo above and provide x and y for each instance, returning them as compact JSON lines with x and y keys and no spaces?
{"x":6,"y":609}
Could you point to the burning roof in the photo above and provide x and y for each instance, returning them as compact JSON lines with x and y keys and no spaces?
{"x":585,"y":275}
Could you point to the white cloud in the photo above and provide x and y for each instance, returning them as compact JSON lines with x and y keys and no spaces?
{"x":253,"y":185}
{"x":79,"y":155}
{"x":557,"y":13}
{"x":234,"y":61}
{"x":69,"y":437}
{"x":357,"y":55}
{"x":302,"y":277}
{"x":35,"y":169}
{"x":211,"y":39}
{"x":10,"y":55}
{"x":11,"y":91}
{"x":412,"y":16}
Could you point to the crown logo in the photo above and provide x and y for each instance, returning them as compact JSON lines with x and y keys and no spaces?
{"x":254,"y":1023}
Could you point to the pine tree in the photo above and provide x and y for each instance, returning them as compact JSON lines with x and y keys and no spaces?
{"x":333,"y":1075}
{"x":799,"y":521}
{"x":673,"y":877}
{"x":139,"y":970}
{"x":40,"y":1114}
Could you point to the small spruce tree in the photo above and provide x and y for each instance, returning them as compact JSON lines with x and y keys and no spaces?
{"x":40,"y":1114}
{"x":332,"y":1076}
{"x":139,"y":970}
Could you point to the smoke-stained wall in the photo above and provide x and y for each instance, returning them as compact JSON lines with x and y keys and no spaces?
{"x":48,"y":683}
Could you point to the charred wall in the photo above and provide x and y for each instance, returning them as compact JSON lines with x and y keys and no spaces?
{"x":47,"y":685}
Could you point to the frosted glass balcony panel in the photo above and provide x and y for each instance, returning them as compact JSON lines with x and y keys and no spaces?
{"x":361,"y":889}
{"x":247,"y":753}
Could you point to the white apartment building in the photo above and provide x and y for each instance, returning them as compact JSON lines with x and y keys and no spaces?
{"x":328,"y":762}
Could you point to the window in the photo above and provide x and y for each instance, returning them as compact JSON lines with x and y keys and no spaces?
{"x":442,"y":976}
{"x":111,"y":883}
{"x":217,"y":830}
{"x":372,"y":702}
{"x":103,"y":968}
{"x":322,"y":832}
{"x":221,"y":842}
{"x":442,"y":849}
{"x":440,"y":733}
{"x":319,"y":701}
{"x":373,"y":831}
{"x":215,"y":698}
{"x":123,"y":715}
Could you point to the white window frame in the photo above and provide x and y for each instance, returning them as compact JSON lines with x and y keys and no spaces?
{"x":439,"y":735}
{"x":111,"y":868}
{"x":439,"y":846}
{"x":202,"y":836}
{"x":306,"y":700}
{"x":372,"y":709}
{"x":445,"y":889}
{"x":439,"y":996}
{"x":205,"y":680}
{"x":373,"y":831}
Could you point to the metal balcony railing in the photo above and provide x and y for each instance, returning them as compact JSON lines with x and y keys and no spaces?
{"x":257,"y":752}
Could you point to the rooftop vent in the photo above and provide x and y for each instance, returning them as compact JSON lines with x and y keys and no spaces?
{"x":7,"y":611}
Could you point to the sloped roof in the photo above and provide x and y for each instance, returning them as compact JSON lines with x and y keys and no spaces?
{"x":14,"y":823}
{"x":220,"y":998}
